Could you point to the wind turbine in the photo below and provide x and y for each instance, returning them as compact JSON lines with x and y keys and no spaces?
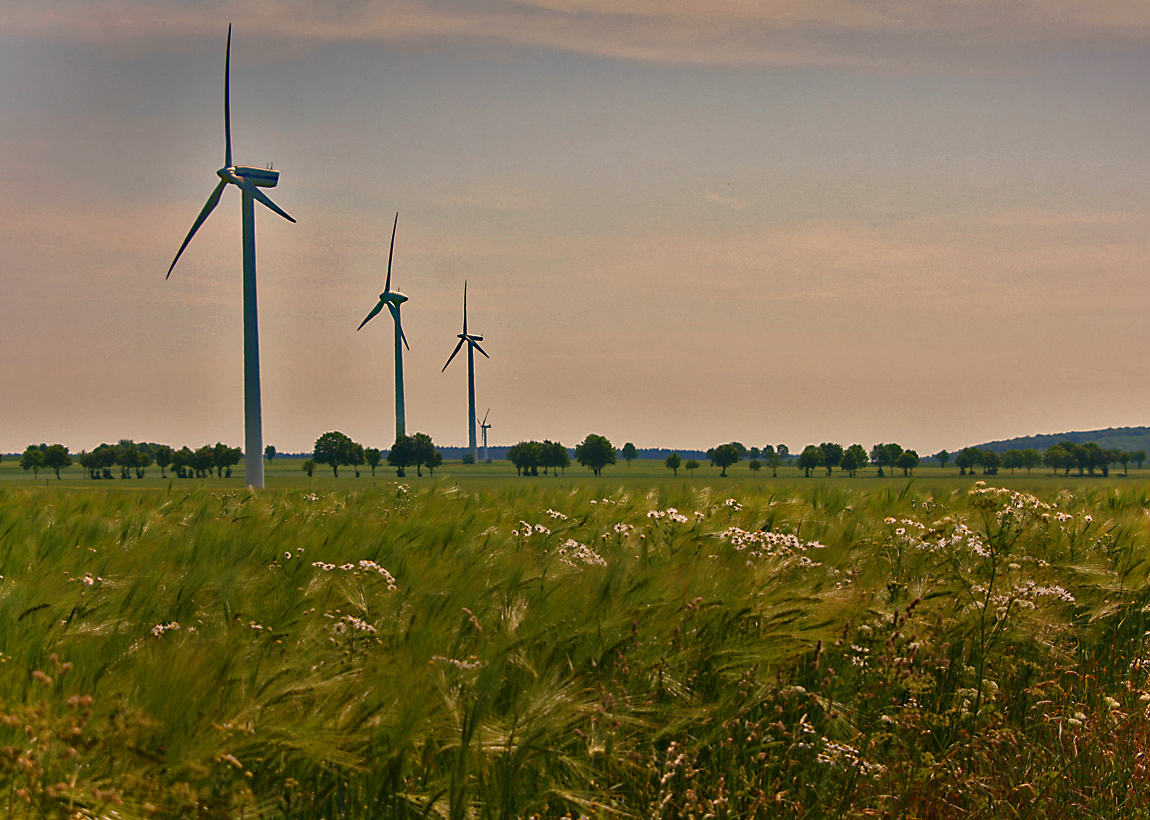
{"x":249,"y":180}
{"x":393,"y":299}
{"x":472,"y":345}
{"x":485,"y":427}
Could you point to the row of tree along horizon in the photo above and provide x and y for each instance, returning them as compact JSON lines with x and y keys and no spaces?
{"x":335,"y":449}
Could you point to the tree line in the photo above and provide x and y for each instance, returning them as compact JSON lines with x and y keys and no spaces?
{"x":337,"y":450}
{"x":134,"y":458}
{"x":1067,"y":456}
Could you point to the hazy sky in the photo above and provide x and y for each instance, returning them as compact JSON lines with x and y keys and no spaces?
{"x":681,"y":223}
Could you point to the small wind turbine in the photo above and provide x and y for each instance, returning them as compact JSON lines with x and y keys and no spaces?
{"x":485,"y":427}
{"x":472,"y":345}
{"x":249,"y":180}
{"x":393,"y":299}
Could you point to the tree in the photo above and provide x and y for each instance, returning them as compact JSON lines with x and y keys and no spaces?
{"x":435,"y":460}
{"x":858,"y":456}
{"x":358,"y":457}
{"x":755,"y":465}
{"x":853,"y":459}
{"x":1012,"y":459}
{"x":723,"y":456}
{"x":1030,"y":458}
{"x":270,"y":452}
{"x":56,"y":458}
{"x":943,"y":456}
{"x":691,"y":466}
{"x":991,"y":461}
{"x":401,"y":455}
{"x":784,"y":451}
{"x":885,"y":455}
{"x":309,"y":467}
{"x":181,"y":460}
{"x":810,"y":458}
{"x":755,"y":452}
{"x":424,"y":451}
{"x":832,"y":455}
{"x":672,"y":463}
{"x":1124,"y":460}
{"x":373,"y":456}
{"x":629,"y":453}
{"x":204,"y":461}
{"x":555,"y":457}
{"x":1138,"y":456}
{"x":773,"y":459}
{"x":163,"y":456}
{"x":225,"y":457}
{"x":907,"y":460}
{"x":33,"y":459}
{"x":333,"y":449}
{"x":527,"y":456}
{"x":595,"y":452}
{"x":1057,"y":458}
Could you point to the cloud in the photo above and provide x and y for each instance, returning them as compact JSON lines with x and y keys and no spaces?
{"x":949,"y":33}
{"x":725,"y":201}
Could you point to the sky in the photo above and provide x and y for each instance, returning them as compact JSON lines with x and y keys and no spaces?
{"x":680,"y":224}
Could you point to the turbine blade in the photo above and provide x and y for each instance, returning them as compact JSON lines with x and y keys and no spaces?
{"x":371,"y":315}
{"x":464,"y":307}
{"x":213,"y":200}
{"x":485,"y":415}
{"x":228,"y":102}
{"x":261,"y":196}
{"x":387,"y":287}
{"x":452,"y":356}
{"x":477,"y":347}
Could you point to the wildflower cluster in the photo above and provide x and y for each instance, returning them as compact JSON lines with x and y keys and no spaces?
{"x":671,"y":514}
{"x":571,"y":551}
{"x":527,"y":530}
{"x":761,"y":544}
{"x":159,"y":629}
{"x":363,"y":567}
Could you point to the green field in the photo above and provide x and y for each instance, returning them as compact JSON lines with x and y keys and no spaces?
{"x":481,"y":645}
{"x":285,"y":473}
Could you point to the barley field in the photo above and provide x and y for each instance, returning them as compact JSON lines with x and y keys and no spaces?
{"x":457,"y":647}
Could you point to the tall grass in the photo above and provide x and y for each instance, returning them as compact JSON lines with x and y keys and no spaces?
{"x":526,"y":651}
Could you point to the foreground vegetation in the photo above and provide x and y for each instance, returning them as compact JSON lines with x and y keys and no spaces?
{"x":548,"y":648}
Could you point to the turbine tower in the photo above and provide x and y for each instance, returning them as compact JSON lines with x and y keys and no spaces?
{"x":249,"y":180}
{"x":485,"y":427}
{"x":393,"y":299}
{"x":472,"y":345}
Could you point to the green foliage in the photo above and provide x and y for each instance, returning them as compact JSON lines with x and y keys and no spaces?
{"x":810,"y":458}
{"x":57,"y":458}
{"x":724,"y":456}
{"x":691,"y":466}
{"x":629,"y":453}
{"x":32,"y":459}
{"x":372,"y":455}
{"x":596,"y":452}
{"x":672,"y":463}
{"x":270,"y":452}
{"x":334,"y":449}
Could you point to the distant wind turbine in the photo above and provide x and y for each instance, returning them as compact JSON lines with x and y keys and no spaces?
{"x":485,"y":427}
{"x":393,"y":299}
{"x":472,"y":345}
{"x":249,"y":180}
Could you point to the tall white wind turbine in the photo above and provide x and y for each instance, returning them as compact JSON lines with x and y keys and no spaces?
{"x":249,"y":180}
{"x":393,"y":299}
{"x":472,"y":345}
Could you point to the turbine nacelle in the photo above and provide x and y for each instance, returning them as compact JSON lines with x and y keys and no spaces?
{"x":394,"y":296}
{"x":260,"y":177}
